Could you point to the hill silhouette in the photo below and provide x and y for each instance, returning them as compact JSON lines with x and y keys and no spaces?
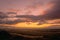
{"x":4,"y":35}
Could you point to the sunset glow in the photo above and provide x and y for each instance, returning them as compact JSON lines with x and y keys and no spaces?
{"x":29,"y":13}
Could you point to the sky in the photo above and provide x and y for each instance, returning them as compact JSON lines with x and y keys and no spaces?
{"x":30,"y":13}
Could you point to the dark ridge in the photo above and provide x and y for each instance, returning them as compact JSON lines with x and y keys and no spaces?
{"x":4,"y":35}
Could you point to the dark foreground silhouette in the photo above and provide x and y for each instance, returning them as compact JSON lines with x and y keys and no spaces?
{"x":4,"y":35}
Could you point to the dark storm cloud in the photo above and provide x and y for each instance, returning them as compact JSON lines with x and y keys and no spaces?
{"x":6,"y":15}
{"x":40,"y":19}
{"x":28,"y":16}
{"x":4,"y":18}
{"x":55,"y":13}
{"x":2,"y":15}
{"x":5,"y":21}
{"x":11,"y":13}
{"x":11,"y":20}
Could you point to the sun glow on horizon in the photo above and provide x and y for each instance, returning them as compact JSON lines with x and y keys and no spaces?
{"x":28,"y":25}
{"x":33,"y":25}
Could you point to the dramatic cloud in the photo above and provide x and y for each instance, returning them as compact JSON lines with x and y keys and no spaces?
{"x":2,"y":15}
{"x":54,"y":14}
{"x":22,"y":16}
{"x":41,"y":11}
